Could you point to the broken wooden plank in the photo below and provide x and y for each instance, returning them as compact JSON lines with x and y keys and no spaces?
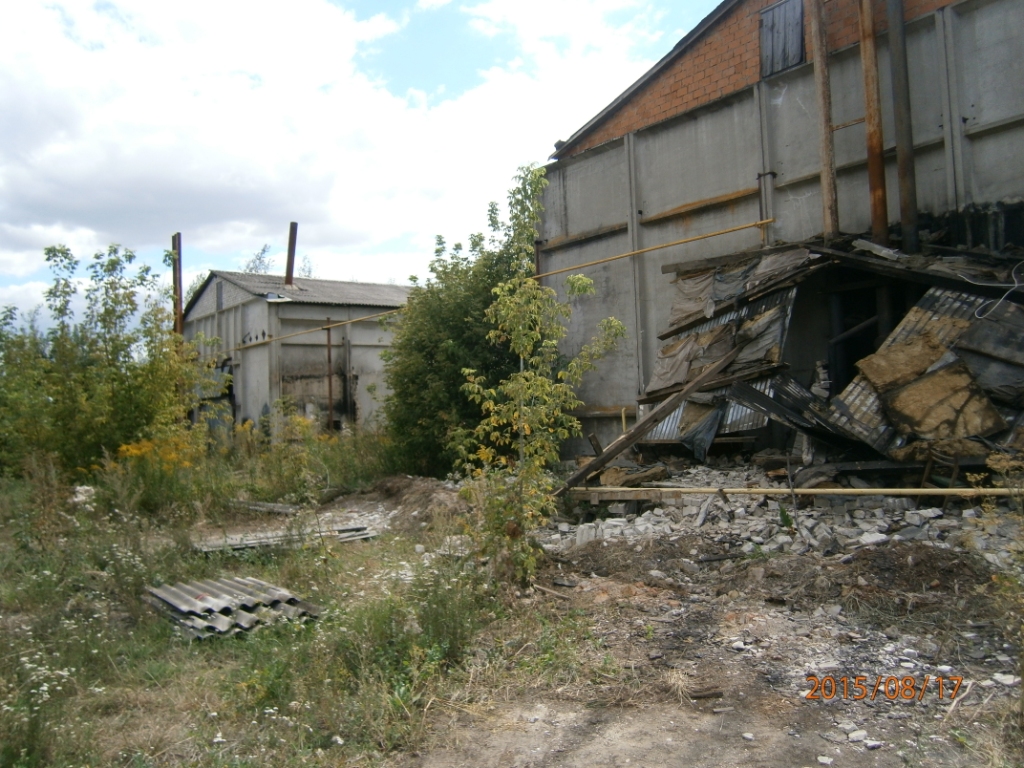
{"x":646,"y":424}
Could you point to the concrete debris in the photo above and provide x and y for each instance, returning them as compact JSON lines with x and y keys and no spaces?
{"x":834,"y":524}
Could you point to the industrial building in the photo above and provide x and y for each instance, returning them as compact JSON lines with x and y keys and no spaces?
{"x":314,"y":342}
{"x":805,"y":219}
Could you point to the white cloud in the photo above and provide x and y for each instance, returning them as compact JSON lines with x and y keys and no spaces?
{"x":127,"y":122}
{"x":431,"y":5}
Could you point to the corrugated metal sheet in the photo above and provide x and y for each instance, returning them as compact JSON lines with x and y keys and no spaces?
{"x":737,"y":418}
{"x":857,"y":410}
{"x":218,"y":607}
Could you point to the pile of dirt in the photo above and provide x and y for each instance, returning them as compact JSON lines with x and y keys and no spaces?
{"x":420,"y":502}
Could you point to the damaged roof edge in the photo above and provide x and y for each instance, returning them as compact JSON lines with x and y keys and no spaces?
{"x":695,"y":33}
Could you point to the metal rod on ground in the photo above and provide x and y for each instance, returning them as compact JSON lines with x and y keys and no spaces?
{"x":289,"y":270}
{"x":614,"y":492}
{"x":826,"y":147}
{"x":873,"y":124}
{"x":330,"y":381}
{"x":904,"y":127}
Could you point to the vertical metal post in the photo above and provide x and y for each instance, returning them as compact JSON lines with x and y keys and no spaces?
{"x":873,"y":124}
{"x":904,"y":127}
{"x":330,"y":381}
{"x":289,"y":270}
{"x":826,"y":146}
{"x":633,"y":223}
{"x":179,"y":317}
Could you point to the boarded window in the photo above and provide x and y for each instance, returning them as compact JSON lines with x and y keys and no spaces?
{"x":782,"y":36}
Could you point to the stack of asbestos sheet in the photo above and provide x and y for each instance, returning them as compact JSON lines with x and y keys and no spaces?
{"x":219,"y":607}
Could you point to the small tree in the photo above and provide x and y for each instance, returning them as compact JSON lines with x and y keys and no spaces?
{"x":88,"y":386}
{"x":527,"y":416}
{"x":444,"y":329}
{"x":260,"y":263}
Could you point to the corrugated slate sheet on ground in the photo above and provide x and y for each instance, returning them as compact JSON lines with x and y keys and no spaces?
{"x":219,"y":607}
{"x":286,"y":538}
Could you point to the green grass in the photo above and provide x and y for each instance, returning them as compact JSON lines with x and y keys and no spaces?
{"x":90,"y":675}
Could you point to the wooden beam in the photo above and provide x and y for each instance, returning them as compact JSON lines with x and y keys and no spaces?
{"x":646,"y":424}
{"x":700,"y":205}
{"x":614,"y":493}
{"x":564,"y":242}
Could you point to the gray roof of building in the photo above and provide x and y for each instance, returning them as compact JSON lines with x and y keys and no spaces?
{"x":308,"y":290}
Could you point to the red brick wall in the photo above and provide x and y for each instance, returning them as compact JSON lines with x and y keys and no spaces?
{"x":727,"y":59}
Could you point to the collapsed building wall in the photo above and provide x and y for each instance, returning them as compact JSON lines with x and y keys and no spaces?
{"x":752,"y":155}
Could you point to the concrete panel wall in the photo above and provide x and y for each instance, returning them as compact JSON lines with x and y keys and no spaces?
{"x":968,"y":127}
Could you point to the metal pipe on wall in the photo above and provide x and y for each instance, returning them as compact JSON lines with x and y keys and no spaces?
{"x":904,"y":127}
{"x":873,"y":124}
{"x":826,"y":147}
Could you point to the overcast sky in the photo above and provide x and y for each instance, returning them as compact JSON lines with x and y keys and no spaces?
{"x":375,"y":124}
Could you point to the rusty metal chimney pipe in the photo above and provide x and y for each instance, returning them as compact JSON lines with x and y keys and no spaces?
{"x":289,"y":271}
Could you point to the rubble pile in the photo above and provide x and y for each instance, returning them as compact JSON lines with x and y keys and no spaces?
{"x":834,"y":523}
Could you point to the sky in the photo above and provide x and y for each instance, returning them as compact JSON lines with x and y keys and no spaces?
{"x":376,"y":125}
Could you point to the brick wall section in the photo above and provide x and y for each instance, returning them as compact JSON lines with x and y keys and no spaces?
{"x":726,"y":59}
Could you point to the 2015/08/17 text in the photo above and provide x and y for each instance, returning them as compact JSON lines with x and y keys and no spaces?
{"x":891,"y":687}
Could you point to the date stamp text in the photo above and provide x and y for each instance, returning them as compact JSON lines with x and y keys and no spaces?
{"x":891,"y":687}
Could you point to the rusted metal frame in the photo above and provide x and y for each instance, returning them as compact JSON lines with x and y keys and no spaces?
{"x":593,"y":234}
{"x":910,"y":243}
{"x":826,"y":144}
{"x":700,"y":205}
{"x":289,"y":271}
{"x":792,"y":277}
{"x":330,"y":380}
{"x":873,"y":121}
{"x":694,"y":239}
{"x":646,"y":424}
